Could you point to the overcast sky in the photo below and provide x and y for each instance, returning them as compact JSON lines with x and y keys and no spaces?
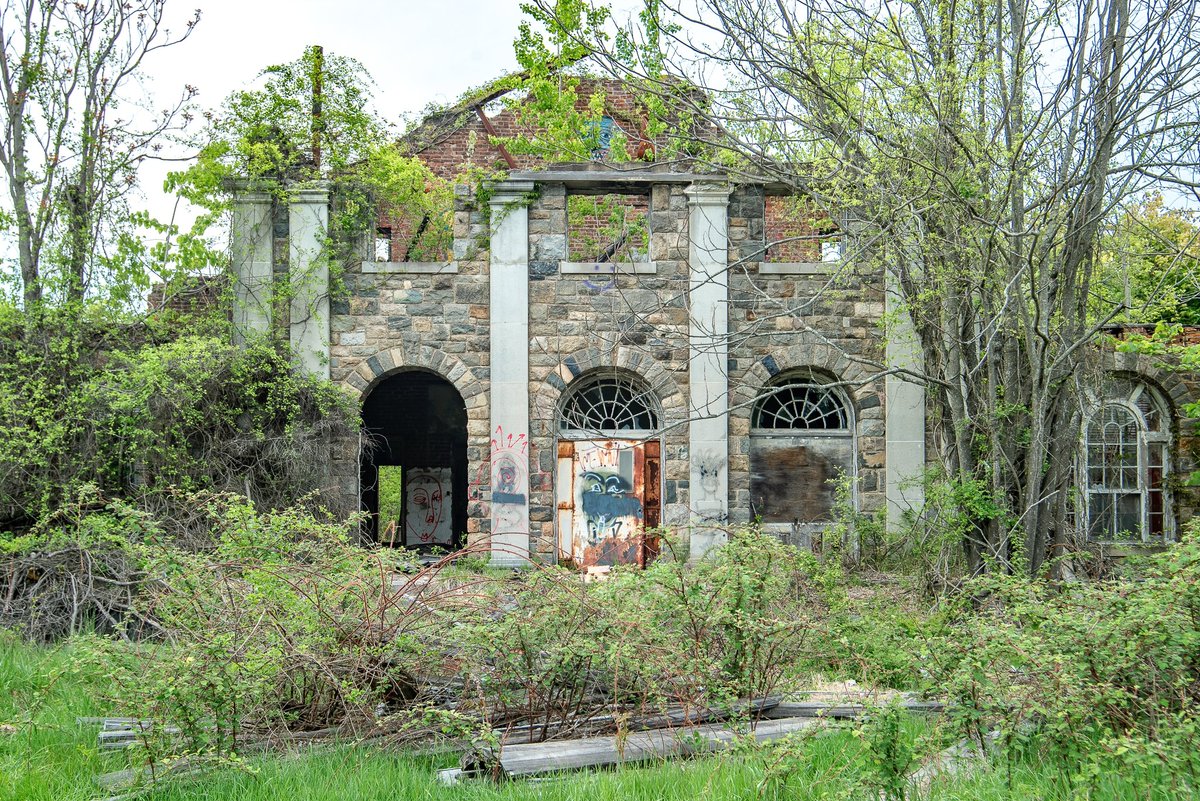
{"x":418,"y":51}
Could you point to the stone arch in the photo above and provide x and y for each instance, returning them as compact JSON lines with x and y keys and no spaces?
{"x":1141,"y":366}
{"x":389,"y":361}
{"x":548,"y":394}
{"x":821,"y":359}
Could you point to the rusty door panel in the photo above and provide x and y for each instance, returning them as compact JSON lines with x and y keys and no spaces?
{"x":604,"y":500}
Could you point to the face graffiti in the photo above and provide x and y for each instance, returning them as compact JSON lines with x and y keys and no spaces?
{"x":609,"y":507}
{"x":426,"y":518}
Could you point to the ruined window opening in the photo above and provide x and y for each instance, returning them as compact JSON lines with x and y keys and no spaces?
{"x":801,"y":441}
{"x":801,"y":406}
{"x":609,"y":227}
{"x":798,"y":232}
{"x":383,"y":244}
{"x":607,"y":404}
{"x":1126,"y":465}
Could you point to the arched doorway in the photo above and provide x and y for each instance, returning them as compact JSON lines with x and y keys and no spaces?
{"x":414,"y":467}
{"x":607,"y":485}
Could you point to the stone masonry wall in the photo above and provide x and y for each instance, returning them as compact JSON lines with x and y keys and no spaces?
{"x":383,"y":323}
{"x":582,"y":323}
{"x":826,"y":321}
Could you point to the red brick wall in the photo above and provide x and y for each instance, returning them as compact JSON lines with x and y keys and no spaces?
{"x":796,"y":229}
{"x":590,"y":232}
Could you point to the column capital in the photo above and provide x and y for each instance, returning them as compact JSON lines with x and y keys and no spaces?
{"x":708,"y":193}
{"x":506,"y":192}
{"x":314,"y":194}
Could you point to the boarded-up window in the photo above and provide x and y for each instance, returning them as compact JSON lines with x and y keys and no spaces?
{"x":801,"y":440}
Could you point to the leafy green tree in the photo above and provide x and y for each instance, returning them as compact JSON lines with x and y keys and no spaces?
{"x":1151,"y":263}
{"x":976,"y":153}
{"x":74,"y":138}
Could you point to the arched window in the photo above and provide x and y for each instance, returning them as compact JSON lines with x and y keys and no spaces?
{"x":801,"y":440}
{"x":799,"y":405}
{"x":1126,"y":464}
{"x":608,"y":404}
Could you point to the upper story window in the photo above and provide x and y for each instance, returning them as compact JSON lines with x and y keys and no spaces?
{"x":610,"y":227}
{"x":608,"y":404}
{"x":1126,"y":464}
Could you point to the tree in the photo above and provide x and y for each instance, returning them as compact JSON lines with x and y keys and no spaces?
{"x":72,"y":139}
{"x":1151,"y":264}
{"x":978,"y":151}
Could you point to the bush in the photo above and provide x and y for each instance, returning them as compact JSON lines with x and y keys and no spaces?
{"x":140,"y":421}
{"x":285,"y":625}
{"x":1095,"y":677}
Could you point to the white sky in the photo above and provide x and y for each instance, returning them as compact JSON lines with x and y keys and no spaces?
{"x":418,"y":52}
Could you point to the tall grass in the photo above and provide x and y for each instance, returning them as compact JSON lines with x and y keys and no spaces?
{"x":46,"y":756}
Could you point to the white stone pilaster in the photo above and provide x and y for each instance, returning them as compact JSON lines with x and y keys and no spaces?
{"x":904,"y":414}
{"x":509,"y":298}
{"x":308,"y":271}
{"x":708,"y":369}
{"x":251,"y":254}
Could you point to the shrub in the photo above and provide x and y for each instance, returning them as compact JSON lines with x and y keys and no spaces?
{"x":1093,"y":677}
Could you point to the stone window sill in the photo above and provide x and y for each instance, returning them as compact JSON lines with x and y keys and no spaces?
{"x":608,"y":268}
{"x":797,"y":267}
{"x":410,"y":267}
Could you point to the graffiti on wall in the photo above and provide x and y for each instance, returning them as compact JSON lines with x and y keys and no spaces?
{"x":510,"y":482}
{"x":607,"y":525}
{"x":427,"y":509}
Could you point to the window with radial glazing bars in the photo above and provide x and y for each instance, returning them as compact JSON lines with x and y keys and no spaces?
{"x":801,"y":407}
{"x":608,"y":404}
{"x":1126,"y":470}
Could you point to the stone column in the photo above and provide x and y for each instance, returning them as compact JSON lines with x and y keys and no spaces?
{"x":509,"y":333}
{"x":308,"y":274}
{"x":251,"y":246}
{"x":904,"y":414}
{"x":708,"y":369}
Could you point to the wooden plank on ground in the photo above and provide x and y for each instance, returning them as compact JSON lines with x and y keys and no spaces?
{"x":565,"y":755}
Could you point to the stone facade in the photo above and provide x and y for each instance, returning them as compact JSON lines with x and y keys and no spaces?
{"x":705,"y":323}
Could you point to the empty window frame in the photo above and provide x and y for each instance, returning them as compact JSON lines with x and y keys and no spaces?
{"x":798,"y":232}
{"x":1126,"y":464}
{"x":611,"y":227}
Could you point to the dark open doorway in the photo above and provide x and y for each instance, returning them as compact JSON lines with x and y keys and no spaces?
{"x":414,"y":469}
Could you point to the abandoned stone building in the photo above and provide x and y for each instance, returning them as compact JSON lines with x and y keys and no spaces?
{"x":556,"y":385}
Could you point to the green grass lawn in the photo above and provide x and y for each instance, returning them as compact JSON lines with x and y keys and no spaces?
{"x":46,"y":756}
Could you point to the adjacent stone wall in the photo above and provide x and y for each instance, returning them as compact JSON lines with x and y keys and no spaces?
{"x":581,"y":323}
{"x":383,"y":323}
{"x":825,"y":320}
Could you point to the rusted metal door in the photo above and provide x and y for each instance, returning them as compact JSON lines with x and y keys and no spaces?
{"x":607,"y":493}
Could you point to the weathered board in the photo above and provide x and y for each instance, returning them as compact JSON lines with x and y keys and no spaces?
{"x":563,"y":755}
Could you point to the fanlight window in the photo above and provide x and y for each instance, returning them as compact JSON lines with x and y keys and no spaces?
{"x":802,"y":406}
{"x":606,"y":404}
{"x":1126,"y":469}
